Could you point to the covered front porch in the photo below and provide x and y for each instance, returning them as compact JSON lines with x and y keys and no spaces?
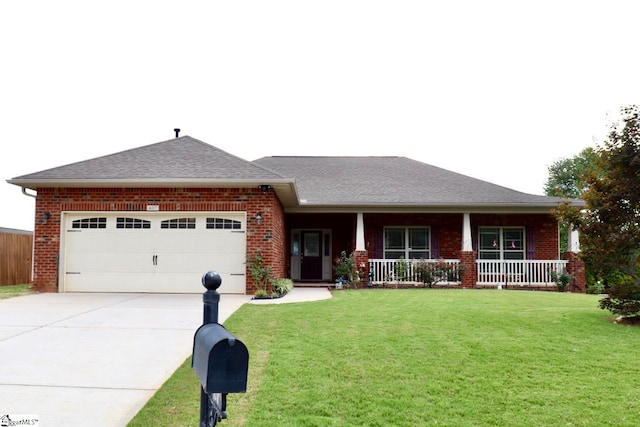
{"x":516,"y":250}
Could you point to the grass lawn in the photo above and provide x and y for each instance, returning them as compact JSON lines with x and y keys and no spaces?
{"x":424,"y":357}
{"x":15,"y":291}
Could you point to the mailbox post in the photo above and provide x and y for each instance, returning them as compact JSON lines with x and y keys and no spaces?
{"x":220,"y":360}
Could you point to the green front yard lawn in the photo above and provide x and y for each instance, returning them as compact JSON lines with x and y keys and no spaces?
{"x":424,"y":357}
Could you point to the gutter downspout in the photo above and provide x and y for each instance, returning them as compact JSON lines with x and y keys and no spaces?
{"x":33,"y":240}
{"x":24,"y":191}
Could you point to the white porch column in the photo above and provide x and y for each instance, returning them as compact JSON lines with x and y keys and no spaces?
{"x":466,"y":233}
{"x":573,"y":241}
{"x":360,"y":233}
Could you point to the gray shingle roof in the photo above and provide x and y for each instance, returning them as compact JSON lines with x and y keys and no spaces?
{"x":368,"y":181}
{"x":183,"y":158}
{"x":300,"y":182}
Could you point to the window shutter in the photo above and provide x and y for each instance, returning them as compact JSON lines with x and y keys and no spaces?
{"x":474,"y":238}
{"x":435,"y":242}
{"x":531,"y":245}
{"x":379,"y":245}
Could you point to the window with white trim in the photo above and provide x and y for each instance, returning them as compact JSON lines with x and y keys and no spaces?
{"x":407,"y":243}
{"x":502,"y":243}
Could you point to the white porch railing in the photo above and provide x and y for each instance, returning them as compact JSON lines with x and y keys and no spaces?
{"x":518,"y":272}
{"x":490,"y":272}
{"x":394,"y":271}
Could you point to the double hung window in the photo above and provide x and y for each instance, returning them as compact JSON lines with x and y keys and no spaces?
{"x":407,"y":243}
{"x":501,"y":243}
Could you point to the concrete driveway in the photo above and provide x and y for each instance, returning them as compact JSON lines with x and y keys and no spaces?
{"x":94,"y":359}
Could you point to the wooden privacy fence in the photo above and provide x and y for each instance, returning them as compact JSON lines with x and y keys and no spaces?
{"x":15,"y":258}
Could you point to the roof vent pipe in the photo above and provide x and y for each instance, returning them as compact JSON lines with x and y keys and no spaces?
{"x":177,"y":131}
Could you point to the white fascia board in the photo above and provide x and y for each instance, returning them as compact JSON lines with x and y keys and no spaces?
{"x":145,"y":183}
{"x":422,"y":209}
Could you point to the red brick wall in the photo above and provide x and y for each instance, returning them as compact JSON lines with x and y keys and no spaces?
{"x":269,"y":236}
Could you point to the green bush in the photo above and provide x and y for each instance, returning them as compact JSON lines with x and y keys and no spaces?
{"x":261,"y":293}
{"x":282,"y":286}
{"x":346,"y":268}
{"x":430,"y":272}
{"x":401,"y":269}
{"x":623,"y":299}
{"x":596,"y":288}
{"x":562,"y":280}
{"x":260,"y":273}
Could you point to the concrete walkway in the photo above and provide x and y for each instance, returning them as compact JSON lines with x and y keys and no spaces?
{"x":95,"y":359}
{"x":298,"y":295}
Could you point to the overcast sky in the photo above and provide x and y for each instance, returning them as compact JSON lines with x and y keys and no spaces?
{"x":497,"y":90}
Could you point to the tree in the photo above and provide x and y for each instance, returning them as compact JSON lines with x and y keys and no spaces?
{"x":567,"y":177}
{"x":610,"y":224}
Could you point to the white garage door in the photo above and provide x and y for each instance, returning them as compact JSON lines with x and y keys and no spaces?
{"x":142,"y":252}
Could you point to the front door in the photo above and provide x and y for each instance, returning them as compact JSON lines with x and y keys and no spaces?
{"x":311,"y":259}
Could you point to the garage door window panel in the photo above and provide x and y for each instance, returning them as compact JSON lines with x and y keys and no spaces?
{"x":86,"y":223}
{"x":223,"y":224}
{"x":132,"y":223}
{"x":179,"y":224}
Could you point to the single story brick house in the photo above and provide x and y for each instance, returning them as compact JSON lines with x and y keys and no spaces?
{"x":155,"y":218}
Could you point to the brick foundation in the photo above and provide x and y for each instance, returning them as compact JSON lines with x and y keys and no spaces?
{"x":469,"y":268}
{"x":362,"y":263}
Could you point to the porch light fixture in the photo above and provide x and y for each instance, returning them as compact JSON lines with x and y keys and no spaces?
{"x":258,"y":218}
{"x":265,"y":188}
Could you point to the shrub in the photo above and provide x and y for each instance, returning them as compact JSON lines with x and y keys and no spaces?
{"x":282,"y":286}
{"x":430,"y":272}
{"x":596,"y":288}
{"x":623,"y":299}
{"x":261,"y":293}
{"x":260,"y":273}
{"x":346,"y":269}
{"x":562,"y":280}
{"x":401,"y":269}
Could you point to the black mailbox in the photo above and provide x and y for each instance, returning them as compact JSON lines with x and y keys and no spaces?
{"x":220,"y":360}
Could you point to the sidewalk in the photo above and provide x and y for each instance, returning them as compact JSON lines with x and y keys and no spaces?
{"x":297,"y":295}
